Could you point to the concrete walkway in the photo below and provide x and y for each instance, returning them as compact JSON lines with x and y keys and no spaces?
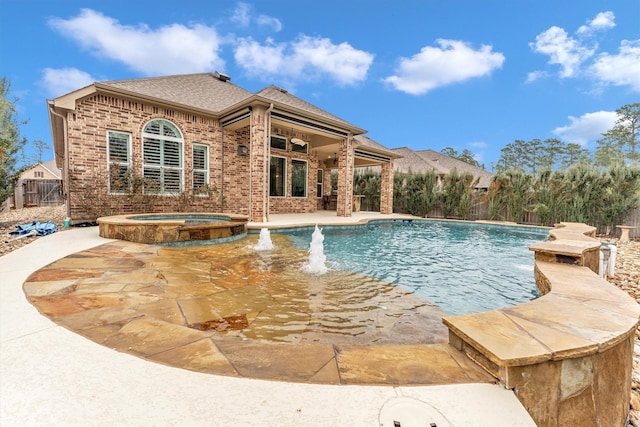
{"x":51,"y":376}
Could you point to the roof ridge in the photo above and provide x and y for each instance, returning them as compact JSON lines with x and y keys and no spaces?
{"x":138,"y":79}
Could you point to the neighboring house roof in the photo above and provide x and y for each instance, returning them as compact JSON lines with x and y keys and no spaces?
{"x":425,"y":160}
{"x":48,"y":167}
{"x":411,"y":161}
{"x":51,"y":167}
{"x":450,"y":163}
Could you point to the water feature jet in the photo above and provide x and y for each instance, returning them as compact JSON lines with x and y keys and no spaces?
{"x":317,"y":258}
{"x":264,"y":242}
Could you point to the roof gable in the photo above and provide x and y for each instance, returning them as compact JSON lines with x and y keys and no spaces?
{"x":203,"y":91}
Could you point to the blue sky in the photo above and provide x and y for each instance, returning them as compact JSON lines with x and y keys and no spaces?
{"x":473,"y":75}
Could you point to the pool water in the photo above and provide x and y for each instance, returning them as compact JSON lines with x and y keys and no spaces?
{"x":462,"y":268}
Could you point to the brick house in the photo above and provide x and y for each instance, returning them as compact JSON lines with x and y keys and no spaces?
{"x":233,"y":151}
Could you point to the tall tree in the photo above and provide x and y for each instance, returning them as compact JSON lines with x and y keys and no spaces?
{"x":574,"y":154}
{"x":466,"y":156}
{"x":449,"y":151}
{"x":10,"y":141}
{"x":620,"y":143}
{"x":553,"y":150}
{"x":40,"y":147}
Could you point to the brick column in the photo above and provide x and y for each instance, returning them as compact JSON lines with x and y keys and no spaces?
{"x":259,"y":166}
{"x":386,"y":188}
{"x":345,"y":178}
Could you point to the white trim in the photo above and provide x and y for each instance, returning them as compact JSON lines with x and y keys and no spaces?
{"x":162,"y":167}
{"x":128,"y":164}
{"x":206,"y":165}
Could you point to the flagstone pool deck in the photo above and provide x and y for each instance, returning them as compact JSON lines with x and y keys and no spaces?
{"x":112,"y":349}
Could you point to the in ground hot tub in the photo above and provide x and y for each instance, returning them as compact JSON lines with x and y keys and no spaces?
{"x":174,"y":228}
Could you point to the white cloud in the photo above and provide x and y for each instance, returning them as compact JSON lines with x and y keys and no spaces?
{"x":171,"y":49}
{"x":60,"y":81}
{"x":478,"y":144}
{"x":602,"y":21}
{"x":563,"y":50}
{"x":452,"y":61}
{"x":621,"y":69}
{"x":269,"y":21}
{"x":243,"y":16}
{"x":306,"y":57}
{"x":588,"y":127}
{"x":577,"y":59}
{"x":536,"y":75}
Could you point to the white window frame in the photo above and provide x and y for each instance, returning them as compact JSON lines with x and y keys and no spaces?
{"x":284,"y":176}
{"x":306,"y":178}
{"x":204,"y":171}
{"x":161,"y":165}
{"x":119,"y":164}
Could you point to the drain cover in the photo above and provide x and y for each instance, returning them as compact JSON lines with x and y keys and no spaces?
{"x":407,"y":412}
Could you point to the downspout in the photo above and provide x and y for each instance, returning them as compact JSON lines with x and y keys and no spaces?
{"x":267,"y":154}
{"x":66,"y":159}
{"x":221,"y":168}
{"x":349,"y":166}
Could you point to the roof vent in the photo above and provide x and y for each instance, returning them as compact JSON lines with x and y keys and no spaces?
{"x":222,"y":77}
{"x":283,"y":90}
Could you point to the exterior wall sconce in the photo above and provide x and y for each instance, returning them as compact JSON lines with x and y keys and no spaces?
{"x":242,"y":150}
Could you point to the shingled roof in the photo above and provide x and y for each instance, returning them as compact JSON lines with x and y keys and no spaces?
{"x":425,"y":160}
{"x":204,"y":91}
{"x":367,"y":142}
{"x":411,"y":161}
{"x":283,"y":97}
{"x":450,"y":163}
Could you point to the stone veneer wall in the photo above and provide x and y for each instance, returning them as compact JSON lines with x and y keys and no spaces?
{"x":568,"y":354}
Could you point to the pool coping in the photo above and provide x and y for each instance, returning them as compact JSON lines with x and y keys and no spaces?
{"x":582,"y":324}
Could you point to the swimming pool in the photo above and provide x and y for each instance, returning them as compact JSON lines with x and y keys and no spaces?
{"x":461,"y":267}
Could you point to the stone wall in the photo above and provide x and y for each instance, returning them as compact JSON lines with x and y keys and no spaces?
{"x":568,"y":354}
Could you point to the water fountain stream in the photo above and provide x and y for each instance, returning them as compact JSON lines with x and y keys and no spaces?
{"x":264,"y":242}
{"x":317,"y":258}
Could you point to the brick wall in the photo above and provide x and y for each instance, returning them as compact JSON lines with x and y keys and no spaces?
{"x":290,"y":204}
{"x":97,"y":114}
{"x":229,"y":172}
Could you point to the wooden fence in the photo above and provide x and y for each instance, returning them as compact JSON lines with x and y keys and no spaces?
{"x":40,"y":192}
{"x":480,"y":211}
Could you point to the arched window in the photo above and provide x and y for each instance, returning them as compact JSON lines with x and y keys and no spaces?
{"x":162,"y":153}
